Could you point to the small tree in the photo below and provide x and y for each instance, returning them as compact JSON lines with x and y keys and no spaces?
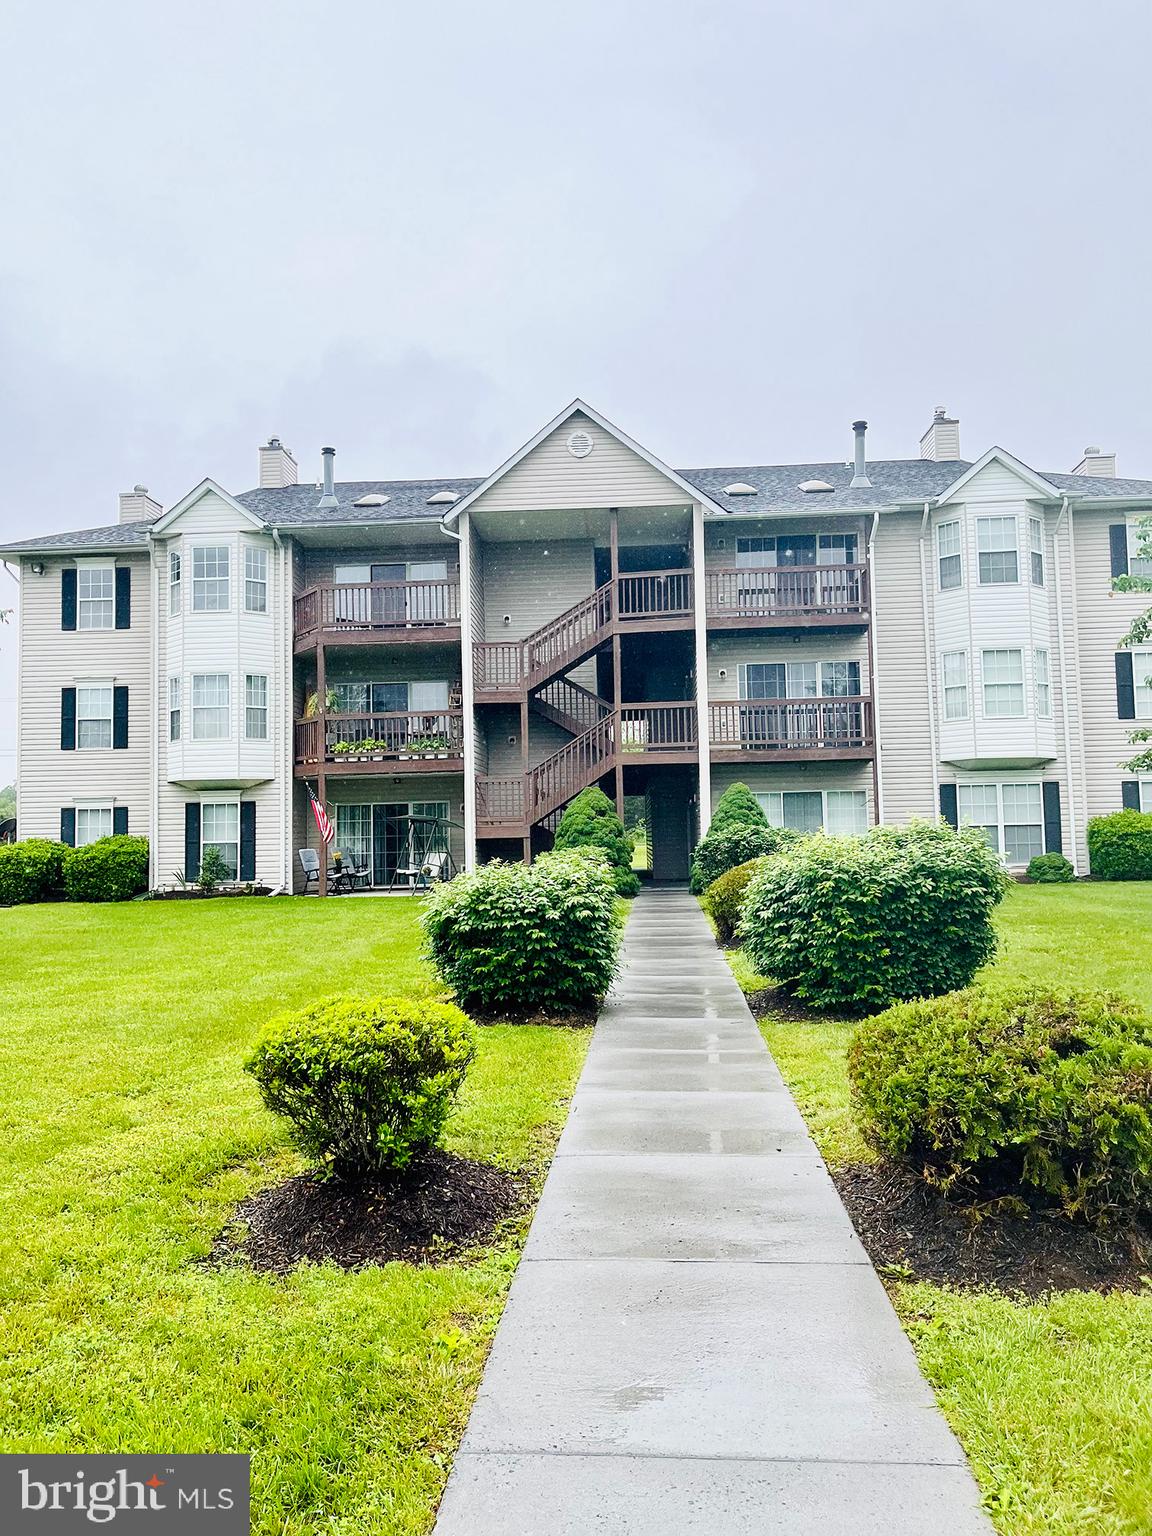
{"x":737,"y":805}
{"x":213,"y":869}
{"x":591,"y":822}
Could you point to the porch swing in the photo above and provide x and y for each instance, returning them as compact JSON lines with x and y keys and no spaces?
{"x":425,"y":853}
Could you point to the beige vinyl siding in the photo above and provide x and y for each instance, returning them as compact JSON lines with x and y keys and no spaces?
{"x":532,"y":583}
{"x":795,"y":776}
{"x":1104,"y":617}
{"x":901,"y":680}
{"x":720,"y":536}
{"x":504,"y":754}
{"x":612,"y":475}
{"x":170,"y":827}
{"x":52,"y":659}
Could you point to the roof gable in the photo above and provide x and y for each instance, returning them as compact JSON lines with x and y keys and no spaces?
{"x":580,"y":459}
{"x":1036,"y":483}
{"x":196,"y":495}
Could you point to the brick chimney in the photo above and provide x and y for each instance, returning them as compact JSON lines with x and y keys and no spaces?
{"x":277,"y":466}
{"x":1100,"y":465}
{"x":136,"y":506}
{"x":942,"y":439}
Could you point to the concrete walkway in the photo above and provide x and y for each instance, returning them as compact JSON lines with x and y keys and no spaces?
{"x":695,"y":1343}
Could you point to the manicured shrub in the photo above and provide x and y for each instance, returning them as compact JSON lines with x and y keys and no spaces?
{"x":591,"y":822}
{"x":734,"y":844}
{"x":1050,"y":869}
{"x":1019,"y":1092}
{"x":855,"y":923}
{"x":524,"y":938}
{"x":213,"y":871}
{"x":725,"y":896}
{"x":365,"y":1082}
{"x":31,"y":870}
{"x":1120,"y":846}
{"x":737,"y":806}
{"x":111,"y":869}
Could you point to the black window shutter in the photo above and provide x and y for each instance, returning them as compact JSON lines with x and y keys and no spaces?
{"x":1125,"y":692}
{"x":1053,"y":833}
{"x":120,"y":718}
{"x":68,"y":826}
{"x":68,"y":719}
{"x":119,"y":820}
{"x":191,"y":839}
{"x":1118,"y":545}
{"x":1130,"y":794}
{"x":247,"y":839}
{"x":123,"y":597}
{"x":68,"y":597}
{"x":948,"y":805}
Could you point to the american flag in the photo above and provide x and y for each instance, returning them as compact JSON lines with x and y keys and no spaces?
{"x":324,"y":826}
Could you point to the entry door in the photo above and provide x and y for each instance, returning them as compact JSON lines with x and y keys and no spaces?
{"x":388,"y":605}
{"x":389,"y":840}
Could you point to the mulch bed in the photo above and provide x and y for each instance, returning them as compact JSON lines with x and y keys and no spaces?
{"x":578,"y":1020}
{"x":911,"y":1232}
{"x":442,"y":1207}
{"x":775,"y":1003}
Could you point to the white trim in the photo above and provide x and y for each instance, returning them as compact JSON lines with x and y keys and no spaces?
{"x":205,"y":488}
{"x":1003,"y":457}
{"x":467,"y":691}
{"x":700,"y":632}
{"x":692,"y":492}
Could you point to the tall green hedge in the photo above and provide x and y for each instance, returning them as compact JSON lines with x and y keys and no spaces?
{"x":590,"y":821}
{"x":32,"y":870}
{"x":1120,"y":846}
{"x":110,"y":869}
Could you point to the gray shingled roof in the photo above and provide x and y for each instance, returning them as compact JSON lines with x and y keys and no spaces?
{"x":894,"y":481}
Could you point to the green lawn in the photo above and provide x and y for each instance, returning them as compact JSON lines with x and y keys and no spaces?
{"x":1052,"y":1399}
{"x":130,"y":1135}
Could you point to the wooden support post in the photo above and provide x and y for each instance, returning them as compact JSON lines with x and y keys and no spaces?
{"x":322,"y":727}
{"x":614,"y":554}
{"x":527,"y":848}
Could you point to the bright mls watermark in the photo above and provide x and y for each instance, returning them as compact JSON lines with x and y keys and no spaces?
{"x":59,"y":1495}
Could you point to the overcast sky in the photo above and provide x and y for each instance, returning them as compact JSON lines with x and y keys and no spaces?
{"x":416,"y":231}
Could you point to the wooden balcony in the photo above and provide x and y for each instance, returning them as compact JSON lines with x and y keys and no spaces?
{"x":413,"y":740}
{"x":376,"y":612}
{"x":797,"y":730}
{"x":788,"y":597}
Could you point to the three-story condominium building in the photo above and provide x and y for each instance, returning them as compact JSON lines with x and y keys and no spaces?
{"x":858,"y":641}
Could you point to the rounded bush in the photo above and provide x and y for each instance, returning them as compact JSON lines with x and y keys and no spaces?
{"x":734,"y":844}
{"x":366,"y":1083}
{"x":1120,"y":846}
{"x":1022,"y":1091}
{"x":737,"y":806}
{"x":856,"y":923}
{"x":31,"y":870}
{"x":523,"y":938}
{"x":725,"y":896}
{"x":1050,"y":869}
{"x":590,"y":821}
{"x":110,"y":869}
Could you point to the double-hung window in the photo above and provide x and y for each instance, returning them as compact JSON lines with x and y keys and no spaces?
{"x":1003,"y":678}
{"x":836,"y":811}
{"x":211,"y":578}
{"x":211,"y":706}
{"x":997,"y":553}
{"x":255,"y":579}
{"x":256,"y":707}
{"x":220,"y":829}
{"x":954,"y":670}
{"x":1036,"y":550}
{"x":94,"y":715}
{"x":1043,"y":685}
{"x":95,"y":597}
{"x":949,"y":559}
{"x":174,"y":588}
{"x":174,"y":709}
{"x":92,"y":823}
{"x":1142,"y":684}
{"x":1011,"y":816}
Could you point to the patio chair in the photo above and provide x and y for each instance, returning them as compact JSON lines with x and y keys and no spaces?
{"x":337,"y":880}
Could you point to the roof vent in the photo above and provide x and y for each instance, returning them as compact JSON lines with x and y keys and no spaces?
{"x":740,"y":488}
{"x":373,"y":499}
{"x":816,"y":485}
{"x":443,"y":498}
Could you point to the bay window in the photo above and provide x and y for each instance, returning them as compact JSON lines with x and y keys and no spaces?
{"x":954,"y":669}
{"x":255,"y":579}
{"x":174,"y":582}
{"x":996,"y":551}
{"x":1043,"y":686}
{"x":256,"y":707}
{"x":211,"y":578}
{"x":1036,"y":549}
{"x":174,"y":690}
{"x":211,"y":706}
{"x":1003,"y":677}
{"x":949,"y":559}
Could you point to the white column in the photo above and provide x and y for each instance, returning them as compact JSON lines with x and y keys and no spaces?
{"x":700,"y":611}
{"x":467,"y":689}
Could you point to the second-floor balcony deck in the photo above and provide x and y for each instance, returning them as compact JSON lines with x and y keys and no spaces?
{"x":369,"y":743}
{"x":787,"y":596}
{"x":375,"y":612}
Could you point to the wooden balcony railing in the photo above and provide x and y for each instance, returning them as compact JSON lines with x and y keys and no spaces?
{"x":657,"y":727}
{"x":387,"y":737}
{"x":788,"y":592}
{"x":377,"y":605}
{"x":791,"y":725}
{"x":654,"y":594}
